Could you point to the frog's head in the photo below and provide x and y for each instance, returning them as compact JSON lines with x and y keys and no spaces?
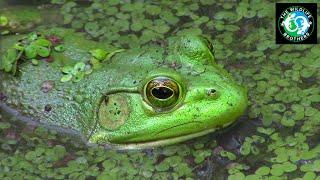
{"x":171,"y":105}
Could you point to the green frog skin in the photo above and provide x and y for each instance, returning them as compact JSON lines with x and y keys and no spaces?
{"x":151,"y":96}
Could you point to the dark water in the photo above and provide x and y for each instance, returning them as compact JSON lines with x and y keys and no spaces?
{"x":278,"y":137}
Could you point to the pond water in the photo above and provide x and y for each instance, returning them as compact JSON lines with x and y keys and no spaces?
{"x":277,"y":138}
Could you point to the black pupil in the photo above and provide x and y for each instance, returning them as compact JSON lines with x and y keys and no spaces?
{"x":162,"y":92}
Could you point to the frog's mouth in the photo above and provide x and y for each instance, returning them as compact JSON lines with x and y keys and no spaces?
{"x":172,"y":140}
{"x":165,"y":142}
{"x":169,"y":140}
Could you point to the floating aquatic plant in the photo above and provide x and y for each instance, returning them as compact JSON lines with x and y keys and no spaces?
{"x":30,"y":48}
{"x":3,"y":21}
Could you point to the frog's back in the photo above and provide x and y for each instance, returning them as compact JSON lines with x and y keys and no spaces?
{"x":38,"y":93}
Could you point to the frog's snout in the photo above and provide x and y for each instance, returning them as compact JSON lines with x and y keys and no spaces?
{"x":237,"y":100}
{"x":217,"y":105}
{"x":232,"y":102}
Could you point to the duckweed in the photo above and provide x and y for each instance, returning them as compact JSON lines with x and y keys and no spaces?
{"x":30,"y":48}
{"x":75,"y":73}
{"x":3,"y":20}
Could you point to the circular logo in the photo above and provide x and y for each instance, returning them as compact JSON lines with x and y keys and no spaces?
{"x":296,"y":23}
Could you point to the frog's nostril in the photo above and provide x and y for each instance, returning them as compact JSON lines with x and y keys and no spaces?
{"x":211,"y":92}
{"x":230,"y":104}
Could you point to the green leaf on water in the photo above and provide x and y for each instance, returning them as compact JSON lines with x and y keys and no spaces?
{"x":35,"y":62}
{"x":263,"y":171}
{"x":99,"y":54}
{"x":88,"y":71}
{"x":67,"y":69}
{"x":153,"y":10}
{"x":80,"y":66}
{"x":9,"y":60}
{"x":92,"y":28}
{"x":30,"y":156}
{"x":67,"y":18}
{"x":309,"y":175}
{"x":43,"y":51}
{"x":96,"y":64}
{"x":42,"y":42}
{"x":287,"y":122}
{"x":3,"y":20}
{"x":162,"y":29}
{"x":77,"y":24}
{"x":136,"y":26}
{"x":201,"y":155}
{"x":78,"y":76}
{"x":32,"y":36}
{"x":5,"y":32}
{"x":59,"y":48}
{"x":110,"y":55}
{"x":68,"y":6}
{"x":31,"y":51}
{"x":19,"y":46}
{"x":277,"y":170}
{"x":57,"y":1}
{"x":228,"y":155}
{"x":245,"y":148}
{"x":163,"y":166}
{"x":11,"y":55}
{"x":267,"y":131}
{"x":66,"y":78}
{"x":237,"y":176}
{"x":169,"y":17}
{"x":289,"y":167}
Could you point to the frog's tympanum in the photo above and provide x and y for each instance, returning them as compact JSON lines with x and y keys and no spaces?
{"x":160,"y":94}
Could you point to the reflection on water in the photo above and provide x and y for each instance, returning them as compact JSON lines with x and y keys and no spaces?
{"x":277,"y":138}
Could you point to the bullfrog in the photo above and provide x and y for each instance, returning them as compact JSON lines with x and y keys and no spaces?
{"x":159,"y":94}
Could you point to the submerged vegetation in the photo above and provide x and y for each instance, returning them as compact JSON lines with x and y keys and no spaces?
{"x":278,"y":139}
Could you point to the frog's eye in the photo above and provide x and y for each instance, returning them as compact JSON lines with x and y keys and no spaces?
{"x":162,"y":92}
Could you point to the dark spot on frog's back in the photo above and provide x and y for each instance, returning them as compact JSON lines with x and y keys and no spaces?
{"x":47,"y":86}
{"x":48,"y":108}
{"x":3,"y":97}
{"x":55,"y":40}
{"x":175,"y":65}
{"x":49,"y":59}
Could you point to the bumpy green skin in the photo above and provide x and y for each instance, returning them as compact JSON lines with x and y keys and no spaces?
{"x":77,"y":106}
